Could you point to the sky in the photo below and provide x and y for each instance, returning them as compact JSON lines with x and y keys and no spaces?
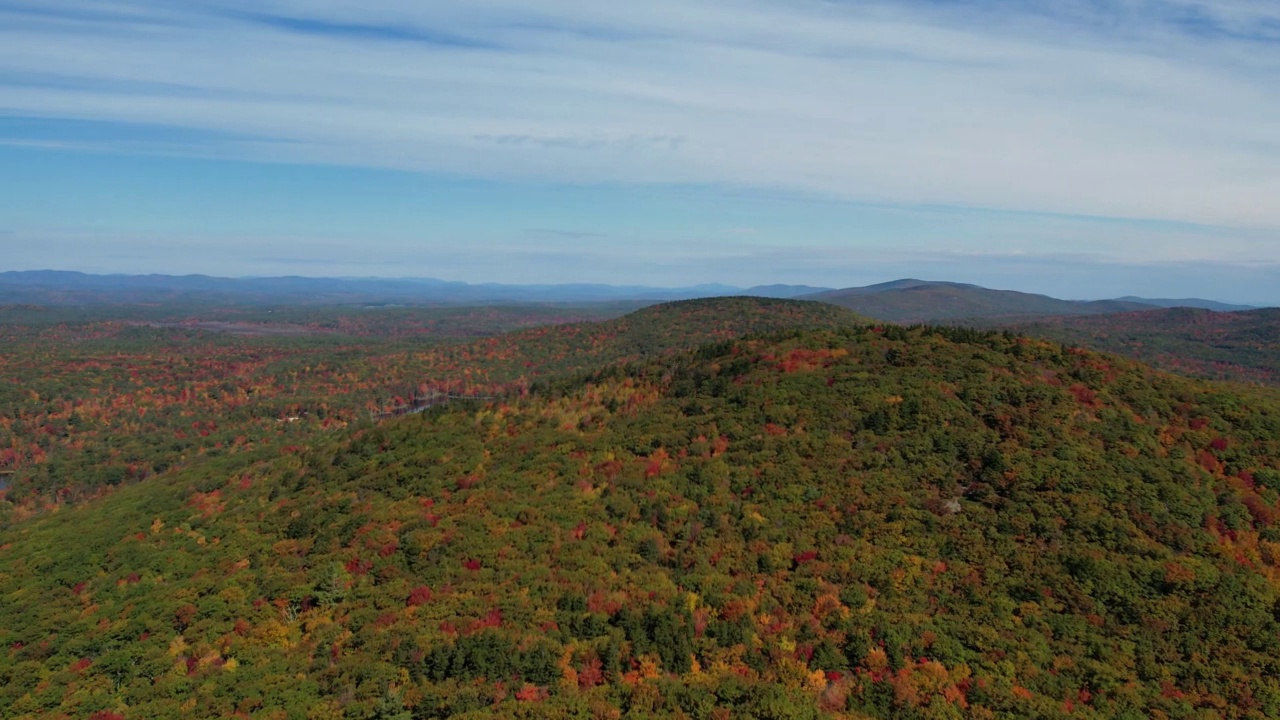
{"x":1081,"y":148}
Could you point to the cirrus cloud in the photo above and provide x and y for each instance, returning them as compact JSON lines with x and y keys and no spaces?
{"x":1154,"y":109}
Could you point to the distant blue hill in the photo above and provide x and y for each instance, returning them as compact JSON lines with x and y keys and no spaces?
{"x":911,"y":301}
{"x":1188,"y":302}
{"x":906,"y":300}
{"x":58,"y":287}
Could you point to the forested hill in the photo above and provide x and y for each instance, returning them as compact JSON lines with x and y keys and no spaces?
{"x":685,"y":324}
{"x":919,"y":301}
{"x":841,"y":523}
{"x":93,"y":404}
{"x":1243,"y":346}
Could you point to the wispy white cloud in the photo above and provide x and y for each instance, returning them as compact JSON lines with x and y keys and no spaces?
{"x":1161,"y":109}
{"x":557,"y":233}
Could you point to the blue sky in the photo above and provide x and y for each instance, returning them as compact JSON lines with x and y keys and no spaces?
{"x":1079,"y":148}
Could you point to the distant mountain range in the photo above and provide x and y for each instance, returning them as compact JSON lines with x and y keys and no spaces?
{"x":1188,"y":303}
{"x":56,"y":287}
{"x":902,"y":301}
{"x":911,"y":301}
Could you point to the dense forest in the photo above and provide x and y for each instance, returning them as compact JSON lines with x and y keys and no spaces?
{"x":95,"y":399}
{"x":1240,"y":346}
{"x":839,"y":521}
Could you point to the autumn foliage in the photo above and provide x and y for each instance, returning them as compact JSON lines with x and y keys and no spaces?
{"x":844,"y":522}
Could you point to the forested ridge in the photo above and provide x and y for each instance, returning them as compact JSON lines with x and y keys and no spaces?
{"x":1240,"y":346}
{"x":919,"y":301}
{"x":94,"y":400}
{"x":852,"y":522}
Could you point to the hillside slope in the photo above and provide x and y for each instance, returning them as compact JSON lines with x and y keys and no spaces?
{"x":917,"y":301}
{"x":649,"y":331}
{"x":856,"y":523}
{"x":1242,"y":346}
{"x":90,"y":405}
